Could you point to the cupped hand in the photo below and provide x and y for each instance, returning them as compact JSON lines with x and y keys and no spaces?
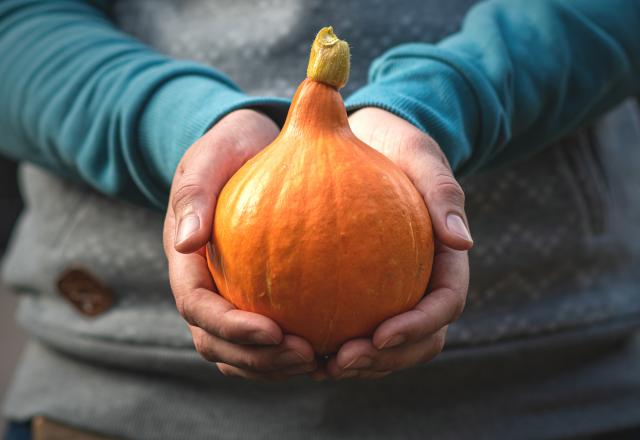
{"x":241,"y":343}
{"x":418,"y":335}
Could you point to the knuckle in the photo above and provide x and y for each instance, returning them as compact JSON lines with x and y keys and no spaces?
{"x":413,"y":139}
{"x":180,"y":305}
{"x":439,"y":342}
{"x":435,"y":347}
{"x":413,"y":144}
{"x":458,"y":300}
{"x":419,"y":143}
{"x":185,"y":194}
{"x":202,"y":347}
{"x":254,"y":363}
{"x":446,"y":187}
{"x":454,"y":303}
{"x":458,"y":308}
{"x":185,"y":306}
{"x":223,"y":326}
{"x":425,"y":325}
{"x":223,"y":331}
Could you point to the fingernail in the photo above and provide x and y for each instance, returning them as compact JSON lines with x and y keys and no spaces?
{"x":360,"y":362}
{"x":262,"y":338}
{"x":188,"y":225}
{"x":290,"y":357}
{"x":393,"y":341}
{"x":456,"y":225}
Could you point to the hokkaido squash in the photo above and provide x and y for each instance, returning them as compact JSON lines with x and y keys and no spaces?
{"x":319,"y":231}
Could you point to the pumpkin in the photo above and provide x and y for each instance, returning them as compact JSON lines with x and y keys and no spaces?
{"x":319,"y":231}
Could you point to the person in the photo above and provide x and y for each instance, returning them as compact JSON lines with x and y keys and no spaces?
{"x":523,"y":102}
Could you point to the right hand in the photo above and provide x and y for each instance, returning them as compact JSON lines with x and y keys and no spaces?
{"x":418,"y":335}
{"x":241,"y":343}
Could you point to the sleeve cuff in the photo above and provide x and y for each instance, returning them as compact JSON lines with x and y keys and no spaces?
{"x":179,"y":113}
{"x":427,"y":87}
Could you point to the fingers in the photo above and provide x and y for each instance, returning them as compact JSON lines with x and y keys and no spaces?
{"x":413,"y":337}
{"x":194,"y":193}
{"x":242,"y":343}
{"x":213,"y":314}
{"x":441,"y":306}
{"x":245,"y":344}
{"x":360,"y":358}
{"x":200,"y":306}
{"x":193,"y":204}
{"x":293,"y":355}
{"x":207,"y":166}
{"x":421,"y":158}
{"x":443,"y":195}
{"x":229,"y":370}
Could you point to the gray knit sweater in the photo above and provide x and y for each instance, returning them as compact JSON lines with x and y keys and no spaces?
{"x":545,"y":347}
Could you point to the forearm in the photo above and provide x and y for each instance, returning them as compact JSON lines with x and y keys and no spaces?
{"x":517,"y":76}
{"x":86,"y":100}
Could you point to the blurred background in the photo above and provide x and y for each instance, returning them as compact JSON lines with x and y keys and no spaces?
{"x":11,"y":338}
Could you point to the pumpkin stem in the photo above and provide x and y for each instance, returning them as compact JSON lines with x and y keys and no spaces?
{"x":329,"y":59}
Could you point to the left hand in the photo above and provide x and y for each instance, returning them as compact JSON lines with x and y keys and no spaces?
{"x":418,"y":335}
{"x":241,"y":343}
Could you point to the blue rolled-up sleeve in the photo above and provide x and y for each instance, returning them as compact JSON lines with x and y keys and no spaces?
{"x":83,"y":99}
{"x":518,"y":75}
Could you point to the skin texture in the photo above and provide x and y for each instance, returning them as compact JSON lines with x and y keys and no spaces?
{"x":254,"y":347}
{"x":319,"y":231}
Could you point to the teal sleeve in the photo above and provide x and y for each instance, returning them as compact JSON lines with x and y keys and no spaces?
{"x":517,"y":76}
{"x":89,"y":102}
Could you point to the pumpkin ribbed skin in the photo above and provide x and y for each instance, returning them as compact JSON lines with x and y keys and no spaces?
{"x":319,"y":231}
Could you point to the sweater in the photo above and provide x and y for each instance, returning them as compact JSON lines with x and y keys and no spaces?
{"x":546,"y":347}
{"x":86,"y":100}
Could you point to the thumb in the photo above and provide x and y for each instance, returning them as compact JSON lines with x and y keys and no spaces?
{"x":445,"y":200}
{"x":206,"y":167}
{"x":193,"y":201}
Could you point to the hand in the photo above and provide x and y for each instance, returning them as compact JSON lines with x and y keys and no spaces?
{"x":418,"y":335}
{"x":242,"y":344}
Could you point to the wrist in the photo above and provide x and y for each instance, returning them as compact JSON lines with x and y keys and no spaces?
{"x":180,"y":112}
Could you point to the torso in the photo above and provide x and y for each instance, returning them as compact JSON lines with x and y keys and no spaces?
{"x":551,"y":232}
{"x":553,"y":270}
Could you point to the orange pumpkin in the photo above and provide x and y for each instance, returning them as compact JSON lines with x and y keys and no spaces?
{"x":319,"y":231}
